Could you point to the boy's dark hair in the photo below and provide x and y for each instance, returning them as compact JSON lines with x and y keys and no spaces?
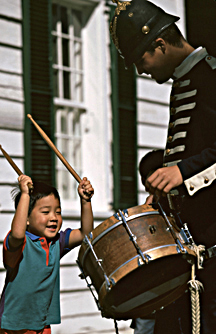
{"x":172,"y":35}
{"x":40,"y":190}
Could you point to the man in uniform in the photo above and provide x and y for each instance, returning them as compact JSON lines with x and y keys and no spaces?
{"x":148,"y":37}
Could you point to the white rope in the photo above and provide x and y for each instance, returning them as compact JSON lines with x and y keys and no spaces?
{"x":195,"y":288}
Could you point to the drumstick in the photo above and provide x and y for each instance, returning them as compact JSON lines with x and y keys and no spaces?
{"x":54,"y":148}
{"x":15,"y":167}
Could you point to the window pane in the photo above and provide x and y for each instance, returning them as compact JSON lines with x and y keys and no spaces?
{"x":66,"y":78}
{"x":77,"y":22}
{"x":78,"y":55}
{"x":63,"y":124}
{"x":68,"y":140}
{"x":78,"y":87}
{"x":64,"y":20}
{"x":55,"y":83}
{"x":65,"y":52}
{"x":54,"y":49}
{"x":54,"y":17}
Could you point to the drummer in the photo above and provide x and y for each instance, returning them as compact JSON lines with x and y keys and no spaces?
{"x":32,"y":250}
{"x":149,"y":38}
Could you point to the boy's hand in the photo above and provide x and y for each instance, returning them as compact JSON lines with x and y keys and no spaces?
{"x":85,"y":189}
{"x":24,"y":182}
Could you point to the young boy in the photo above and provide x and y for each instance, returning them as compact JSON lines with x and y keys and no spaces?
{"x":31,"y":254}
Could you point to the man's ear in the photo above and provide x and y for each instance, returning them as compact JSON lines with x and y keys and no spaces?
{"x":161,"y":44}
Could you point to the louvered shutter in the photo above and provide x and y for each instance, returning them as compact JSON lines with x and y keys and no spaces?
{"x":124,"y":132}
{"x":38,"y":88}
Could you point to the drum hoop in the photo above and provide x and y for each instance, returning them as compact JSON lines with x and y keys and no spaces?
{"x":118,"y":223}
{"x":145,"y":253}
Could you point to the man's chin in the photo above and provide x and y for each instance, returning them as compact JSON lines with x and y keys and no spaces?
{"x":161,"y":81}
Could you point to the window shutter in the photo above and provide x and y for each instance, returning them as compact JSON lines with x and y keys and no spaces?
{"x":38,"y":88}
{"x":124,"y":131}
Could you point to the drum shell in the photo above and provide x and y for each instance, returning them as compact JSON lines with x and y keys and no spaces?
{"x":129,"y":276}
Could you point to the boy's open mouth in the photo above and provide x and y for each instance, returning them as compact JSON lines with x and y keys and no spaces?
{"x":52,"y":227}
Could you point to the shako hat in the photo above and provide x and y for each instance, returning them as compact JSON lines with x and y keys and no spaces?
{"x":135,"y":25}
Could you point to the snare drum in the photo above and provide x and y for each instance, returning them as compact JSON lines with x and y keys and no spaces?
{"x":135,"y":264}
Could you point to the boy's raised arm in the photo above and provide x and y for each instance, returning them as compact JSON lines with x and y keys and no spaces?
{"x":19,"y":222}
{"x":85,"y":191}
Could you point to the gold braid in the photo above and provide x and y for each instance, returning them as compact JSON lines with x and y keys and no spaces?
{"x":113,"y":25}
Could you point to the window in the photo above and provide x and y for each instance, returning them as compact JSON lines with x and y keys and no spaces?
{"x":68,"y":92}
{"x":68,"y":141}
{"x":67,"y":53}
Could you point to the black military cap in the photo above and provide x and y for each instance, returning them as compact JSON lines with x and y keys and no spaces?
{"x":135,"y":25}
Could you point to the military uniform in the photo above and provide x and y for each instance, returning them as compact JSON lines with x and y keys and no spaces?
{"x":191,"y":145}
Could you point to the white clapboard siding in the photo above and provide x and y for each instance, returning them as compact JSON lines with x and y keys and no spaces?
{"x":7,"y":173}
{"x":11,"y":8}
{"x":11,"y":116}
{"x":12,"y":142}
{"x":6,"y":37}
{"x":10,"y":60}
{"x":151,"y":136}
{"x":11,"y":87}
{"x":152,"y":120}
{"x":149,"y":90}
{"x":152,"y":113}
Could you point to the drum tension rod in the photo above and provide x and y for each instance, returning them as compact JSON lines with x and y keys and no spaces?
{"x":89,"y":285}
{"x":133,"y":238}
{"x":108,"y":281}
{"x":182,"y":249}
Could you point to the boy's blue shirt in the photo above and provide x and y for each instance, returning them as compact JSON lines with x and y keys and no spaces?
{"x":30,"y":298}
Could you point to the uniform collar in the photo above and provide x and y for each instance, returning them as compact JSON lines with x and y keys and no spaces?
{"x":190,"y":62}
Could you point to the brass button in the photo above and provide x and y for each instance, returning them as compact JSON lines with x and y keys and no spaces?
{"x":168,"y":151}
{"x":164,"y":165}
{"x":145,"y":30}
{"x":169,"y":139}
{"x":206,"y":180}
{"x":172,"y":98}
{"x":191,"y":188}
{"x":173,"y":111}
{"x":130,"y":14}
{"x":171,"y":125}
{"x":176,"y":84}
{"x":209,"y":58}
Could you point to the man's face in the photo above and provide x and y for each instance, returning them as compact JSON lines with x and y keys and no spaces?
{"x":156,"y":64}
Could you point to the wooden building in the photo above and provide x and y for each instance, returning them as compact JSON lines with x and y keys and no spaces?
{"x":58,"y":64}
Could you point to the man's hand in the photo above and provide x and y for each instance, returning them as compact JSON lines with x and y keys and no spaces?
{"x":163,"y":180}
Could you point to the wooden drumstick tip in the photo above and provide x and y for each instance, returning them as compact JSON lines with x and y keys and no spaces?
{"x":29,"y":116}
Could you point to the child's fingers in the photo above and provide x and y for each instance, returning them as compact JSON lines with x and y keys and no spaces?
{"x":25,"y":183}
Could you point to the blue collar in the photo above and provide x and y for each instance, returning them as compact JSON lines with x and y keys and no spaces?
{"x":32,"y":236}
